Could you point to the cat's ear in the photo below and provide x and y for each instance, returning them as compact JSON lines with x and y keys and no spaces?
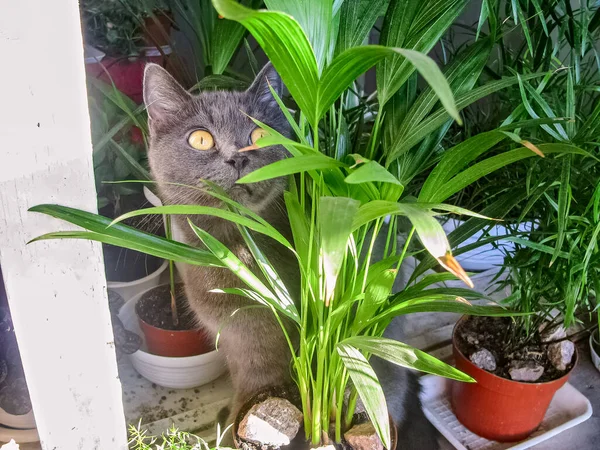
{"x":260,"y":86}
{"x":163,"y":95}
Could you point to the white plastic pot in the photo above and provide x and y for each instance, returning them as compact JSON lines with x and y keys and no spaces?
{"x":595,"y":356}
{"x":22,"y":422}
{"x":129,"y":289}
{"x":176,"y":373}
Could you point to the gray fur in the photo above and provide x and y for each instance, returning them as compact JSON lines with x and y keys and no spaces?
{"x":252,"y":341}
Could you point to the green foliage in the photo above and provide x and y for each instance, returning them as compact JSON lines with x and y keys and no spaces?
{"x":116,"y":156}
{"x":172,"y":439}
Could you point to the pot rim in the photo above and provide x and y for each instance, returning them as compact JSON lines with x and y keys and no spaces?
{"x":123,"y":284}
{"x":497,"y":378}
{"x":154,"y":327}
{"x":593,"y":341}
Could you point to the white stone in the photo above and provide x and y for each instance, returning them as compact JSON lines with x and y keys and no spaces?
{"x":553,"y":334}
{"x":525,"y":371}
{"x":561,"y":353}
{"x":274,"y":421}
{"x":484,"y":359}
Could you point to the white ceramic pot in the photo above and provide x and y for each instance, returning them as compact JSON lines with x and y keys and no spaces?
{"x":129,"y":289}
{"x":595,"y":356}
{"x":176,"y":233}
{"x":22,"y":422}
{"x":176,"y":373}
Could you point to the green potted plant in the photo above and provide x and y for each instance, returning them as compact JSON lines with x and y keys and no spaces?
{"x":117,"y":157}
{"x":552,"y":272}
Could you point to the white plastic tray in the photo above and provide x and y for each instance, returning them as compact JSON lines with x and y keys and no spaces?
{"x":568,"y":408}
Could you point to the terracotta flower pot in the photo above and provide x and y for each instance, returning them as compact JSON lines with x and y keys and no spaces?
{"x":162,"y":341}
{"x":175,"y":343}
{"x":497,"y":408}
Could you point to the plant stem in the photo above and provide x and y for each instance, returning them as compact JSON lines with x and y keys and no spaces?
{"x":174,"y":312}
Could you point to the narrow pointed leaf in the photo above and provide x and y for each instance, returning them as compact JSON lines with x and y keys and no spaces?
{"x":372,"y":171}
{"x":334,"y":222}
{"x":369,"y":389}
{"x":123,"y":236}
{"x":191,"y":210}
{"x":406,"y":356}
{"x":236,"y":266}
{"x":290,"y":166}
{"x":287,"y":47}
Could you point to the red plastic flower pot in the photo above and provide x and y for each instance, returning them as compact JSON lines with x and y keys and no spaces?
{"x":175,"y":343}
{"x":496,"y":408}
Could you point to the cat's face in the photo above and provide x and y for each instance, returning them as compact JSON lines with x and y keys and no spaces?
{"x":194,"y":138}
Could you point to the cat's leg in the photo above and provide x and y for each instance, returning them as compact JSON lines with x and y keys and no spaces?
{"x":257,"y":354}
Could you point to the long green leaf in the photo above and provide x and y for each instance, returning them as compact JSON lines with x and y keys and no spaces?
{"x":346,"y":67}
{"x":439,"y":117}
{"x":316,"y":19}
{"x":416,"y":26}
{"x":564,"y":201}
{"x":372,"y":171}
{"x":287,"y":47}
{"x":494,"y":163}
{"x":357,"y":17}
{"x":442,"y":303}
{"x":191,"y":210}
{"x":406,"y":356}
{"x":334,"y":222}
{"x":123,"y":236}
{"x":369,"y":389}
{"x":290,"y":166}
{"x":235,"y":265}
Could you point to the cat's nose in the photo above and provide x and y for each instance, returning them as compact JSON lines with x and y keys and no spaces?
{"x":238,"y":161}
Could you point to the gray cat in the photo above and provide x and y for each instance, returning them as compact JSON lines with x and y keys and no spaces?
{"x":198,"y":137}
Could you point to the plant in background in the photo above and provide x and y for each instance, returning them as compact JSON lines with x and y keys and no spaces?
{"x":116,"y":155}
{"x":217,"y":39}
{"x":553,"y":268}
{"x":111,"y":26}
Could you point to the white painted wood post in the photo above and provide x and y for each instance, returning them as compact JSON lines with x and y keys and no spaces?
{"x":56,"y":290}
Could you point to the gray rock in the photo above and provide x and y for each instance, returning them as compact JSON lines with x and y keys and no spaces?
{"x":561,"y":353}
{"x":525,"y":370}
{"x":471,"y":338}
{"x":274,"y":421}
{"x":363,"y":437}
{"x":552,"y":334}
{"x":483,"y":359}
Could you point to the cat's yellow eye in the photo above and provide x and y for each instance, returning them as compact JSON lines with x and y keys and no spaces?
{"x":257,"y":134}
{"x":201,"y":140}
